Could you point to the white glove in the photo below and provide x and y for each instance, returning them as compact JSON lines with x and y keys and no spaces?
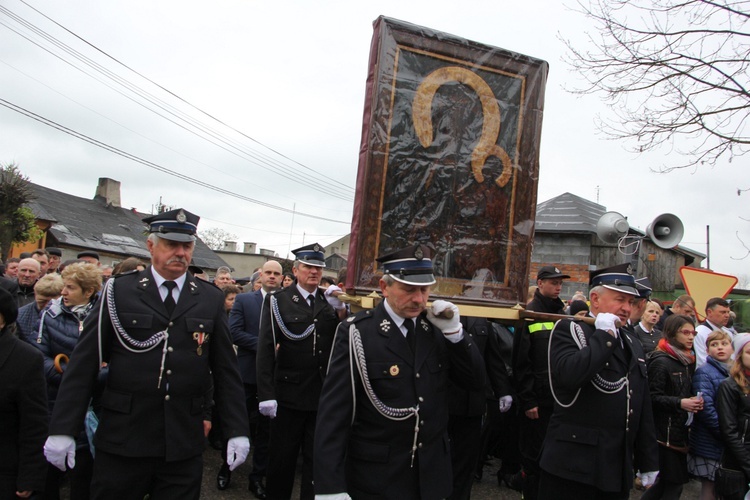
{"x":606,"y":322}
{"x":237,"y":450}
{"x":268,"y":408}
{"x":505,"y":403}
{"x":333,"y":299}
{"x":333,"y":496}
{"x":447,"y":326}
{"x":648,"y":478}
{"x":58,"y":448}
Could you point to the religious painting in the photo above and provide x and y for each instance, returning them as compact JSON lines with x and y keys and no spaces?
{"x":449,"y":159}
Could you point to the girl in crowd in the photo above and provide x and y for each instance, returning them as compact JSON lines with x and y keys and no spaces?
{"x":733,"y":406}
{"x":705,"y":438}
{"x":670,"y":370}
{"x":646,"y":328}
{"x":288,"y":280}
{"x":59,"y":329}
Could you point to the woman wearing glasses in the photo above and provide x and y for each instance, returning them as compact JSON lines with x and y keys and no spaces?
{"x":670,"y":371}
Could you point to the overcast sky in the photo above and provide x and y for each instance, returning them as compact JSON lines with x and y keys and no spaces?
{"x":290,"y":76}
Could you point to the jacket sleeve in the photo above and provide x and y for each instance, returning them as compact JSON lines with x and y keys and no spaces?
{"x":334,"y":419}
{"x":523,"y":376}
{"x":266,"y":360}
{"x":704,"y":383}
{"x":646,"y":450}
{"x":238,"y":327}
{"x":732,"y":424}
{"x":658,"y":382}
{"x":571,"y":366}
{"x":497,"y":374}
{"x":467,"y":365}
{"x":33,"y":420}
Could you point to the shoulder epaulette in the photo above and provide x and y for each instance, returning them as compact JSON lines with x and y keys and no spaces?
{"x":367,"y":313}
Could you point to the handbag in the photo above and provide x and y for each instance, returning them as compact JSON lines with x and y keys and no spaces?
{"x":729,"y":484}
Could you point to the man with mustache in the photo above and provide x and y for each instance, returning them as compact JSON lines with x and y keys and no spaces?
{"x":165,"y":339}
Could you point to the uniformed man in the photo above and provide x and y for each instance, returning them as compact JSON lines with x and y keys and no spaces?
{"x":383,"y":415}
{"x":531,"y":377}
{"x":165,"y":338}
{"x":602,"y":421}
{"x":297,"y":327}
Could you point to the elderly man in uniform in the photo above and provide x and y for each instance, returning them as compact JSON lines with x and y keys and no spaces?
{"x":297,"y":327}
{"x":165,"y":338}
{"x":383,"y":416}
{"x":602,"y":421}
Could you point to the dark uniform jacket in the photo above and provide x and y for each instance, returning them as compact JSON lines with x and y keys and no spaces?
{"x":244,"y":321}
{"x":24,"y":417}
{"x":293,"y":373}
{"x":595,"y":440}
{"x":357,"y":449}
{"x":530,"y":355}
{"x":139,"y":418}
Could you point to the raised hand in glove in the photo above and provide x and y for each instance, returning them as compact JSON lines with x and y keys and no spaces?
{"x":438,"y":317}
{"x":505,"y":403}
{"x":237,"y":450}
{"x":268,"y":408}
{"x":59,"y":448}
{"x":331,"y":294}
{"x":607,"y":322}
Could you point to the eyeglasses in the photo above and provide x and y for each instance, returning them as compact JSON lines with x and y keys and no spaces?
{"x":688,"y":332}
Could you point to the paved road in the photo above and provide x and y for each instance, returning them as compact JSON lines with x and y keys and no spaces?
{"x":486,"y":489}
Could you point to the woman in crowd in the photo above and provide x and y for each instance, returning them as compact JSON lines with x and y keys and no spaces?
{"x":23,"y":409}
{"x":733,"y":406}
{"x":670,"y":371}
{"x":705,"y":438}
{"x":646,"y":328}
{"x":127,"y":265}
{"x":288,"y":280}
{"x":230,"y":293}
{"x":60,"y":326}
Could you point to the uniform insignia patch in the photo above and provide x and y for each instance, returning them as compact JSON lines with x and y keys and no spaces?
{"x":144,"y":280}
{"x":193,"y":285}
{"x":425,"y":326}
{"x":295,"y":298}
{"x":385,"y":325}
{"x":350,"y":319}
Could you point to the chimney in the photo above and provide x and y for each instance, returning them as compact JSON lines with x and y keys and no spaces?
{"x":109,"y":191}
{"x":248,"y":247}
{"x":230,"y":246}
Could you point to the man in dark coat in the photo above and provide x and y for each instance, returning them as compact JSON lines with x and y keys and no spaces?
{"x":165,"y":338}
{"x":602,"y":422}
{"x":244,"y":321}
{"x":531,"y":376}
{"x":23,"y":409}
{"x":297,"y":327}
{"x":382,"y":429}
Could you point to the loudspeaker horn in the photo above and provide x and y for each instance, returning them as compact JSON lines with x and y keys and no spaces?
{"x":611,"y":227}
{"x":666,"y":231}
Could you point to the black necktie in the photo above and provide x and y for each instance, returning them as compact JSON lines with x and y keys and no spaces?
{"x":411,"y":337}
{"x":311,"y":298}
{"x":169,"y":302}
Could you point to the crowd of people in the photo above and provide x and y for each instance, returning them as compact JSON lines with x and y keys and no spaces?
{"x":114,"y":378}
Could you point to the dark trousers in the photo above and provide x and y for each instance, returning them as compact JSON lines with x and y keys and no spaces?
{"x":290,"y":431}
{"x":259,"y":433}
{"x":127,"y":478}
{"x":466,"y":439}
{"x":530,"y":443}
{"x":553,"y":487}
{"x":79,"y":476}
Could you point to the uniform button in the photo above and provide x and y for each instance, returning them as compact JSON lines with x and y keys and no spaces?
{"x":385,"y":372}
{"x":171,"y":323}
{"x":631,"y":391}
{"x":170,"y":348}
{"x":134,"y":322}
{"x":169,"y":372}
{"x":440,"y":365}
{"x":609,"y":344}
{"x":166,"y":398}
{"x":631,"y":412}
{"x":419,"y":445}
{"x":315,"y":320}
{"x":574,"y":436}
{"x":418,"y":375}
{"x":421,"y":399}
{"x":201,"y":325}
{"x":606,"y":364}
{"x":421,"y":422}
{"x":320,"y":352}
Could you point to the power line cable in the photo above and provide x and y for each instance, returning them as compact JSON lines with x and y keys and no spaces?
{"x":152,"y":165}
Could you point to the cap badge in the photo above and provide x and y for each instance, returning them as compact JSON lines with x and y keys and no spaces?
{"x":394,"y":370}
{"x":418,"y":254}
{"x":181,"y":217}
{"x":629,"y":270}
{"x":316,"y":248}
{"x":557,"y":271}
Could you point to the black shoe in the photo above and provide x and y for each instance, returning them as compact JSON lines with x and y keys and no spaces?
{"x":224,"y":477}
{"x":257,"y":489}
